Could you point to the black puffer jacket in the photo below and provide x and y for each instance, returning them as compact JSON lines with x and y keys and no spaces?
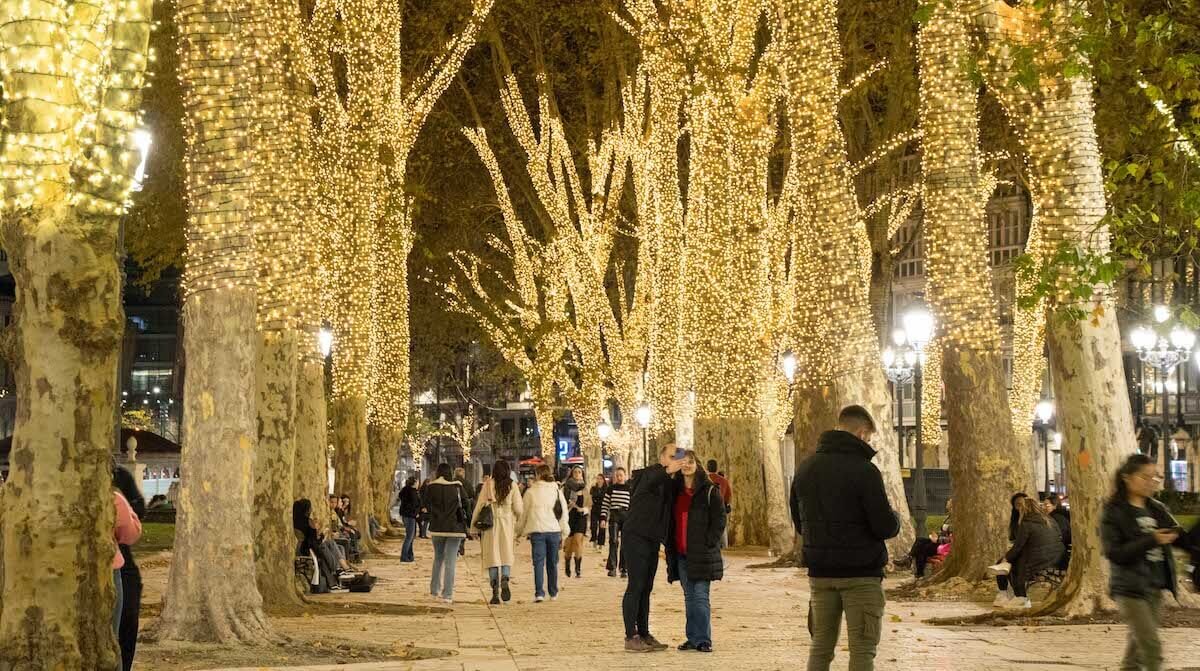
{"x":705,"y":522}
{"x":650,"y":502}
{"x":1126,"y":545}
{"x":1038,"y":545}
{"x":447,"y":503}
{"x":840,"y":508}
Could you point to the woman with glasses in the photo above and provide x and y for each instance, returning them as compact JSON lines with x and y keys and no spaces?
{"x":1137,"y":532}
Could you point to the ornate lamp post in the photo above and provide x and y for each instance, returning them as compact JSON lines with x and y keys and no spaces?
{"x":1163,"y":353}
{"x":1044,"y":411}
{"x":902,"y":364}
{"x":644,"y":414}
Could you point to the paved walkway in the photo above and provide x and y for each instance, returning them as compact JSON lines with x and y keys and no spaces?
{"x":759,"y":623}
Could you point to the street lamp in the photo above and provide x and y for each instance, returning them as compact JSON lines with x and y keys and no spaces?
{"x":1163,"y":353}
{"x":325,"y":341}
{"x":901,"y":365}
{"x":604,"y":430}
{"x":787,"y":363}
{"x":1044,"y":411}
{"x":643,"y":414}
{"x":142,"y":140}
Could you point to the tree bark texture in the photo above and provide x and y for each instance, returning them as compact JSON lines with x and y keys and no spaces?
{"x":385,"y":451}
{"x":311,"y":479}
{"x":56,"y":543}
{"x":543,"y":414}
{"x":986,"y":463}
{"x":211,"y":594}
{"x":274,"y":467}
{"x":736,"y":443}
{"x":779,"y":525}
{"x":351,"y":459}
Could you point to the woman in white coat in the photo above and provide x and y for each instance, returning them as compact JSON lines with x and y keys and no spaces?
{"x":544,"y":521}
{"x":497,"y":541}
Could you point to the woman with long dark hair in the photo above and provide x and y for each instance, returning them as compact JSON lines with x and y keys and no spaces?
{"x":446,"y":501}
{"x":579,"y":505}
{"x":1037,"y":545}
{"x":496,"y":543}
{"x":1137,"y":532}
{"x":410,"y":509}
{"x":693,"y":548}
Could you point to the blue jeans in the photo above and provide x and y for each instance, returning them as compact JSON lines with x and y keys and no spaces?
{"x":696,"y":607}
{"x":410,"y":535}
{"x":445,"y":560}
{"x":494,"y":572}
{"x":545,"y":557}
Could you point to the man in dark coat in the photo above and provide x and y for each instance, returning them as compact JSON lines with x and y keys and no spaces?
{"x":645,"y":528}
{"x":841,"y":510}
{"x":1062,"y":517}
{"x":131,"y":577}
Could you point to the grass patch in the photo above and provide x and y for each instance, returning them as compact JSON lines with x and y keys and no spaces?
{"x":156,"y":536}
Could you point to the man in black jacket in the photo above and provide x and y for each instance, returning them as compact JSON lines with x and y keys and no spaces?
{"x":840,"y":508}
{"x":645,"y":528}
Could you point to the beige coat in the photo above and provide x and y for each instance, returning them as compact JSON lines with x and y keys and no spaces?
{"x":496,"y":544}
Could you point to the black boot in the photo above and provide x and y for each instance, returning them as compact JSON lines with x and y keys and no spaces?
{"x":568,"y":563}
{"x":579,"y":567}
{"x":495,"y":592}
{"x":504,"y":593}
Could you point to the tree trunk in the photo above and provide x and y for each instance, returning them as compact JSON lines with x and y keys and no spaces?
{"x":385,"y":452}
{"x":56,"y":543}
{"x":351,"y":460}
{"x":779,"y":525}
{"x":736,"y":443}
{"x":1097,"y":430}
{"x":312,"y":441}
{"x":211,"y":594}
{"x":274,"y":540}
{"x":986,"y":463}
{"x":589,"y":441}
{"x":543,"y":414}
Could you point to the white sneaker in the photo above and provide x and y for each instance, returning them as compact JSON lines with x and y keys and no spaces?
{"x":1002,"y":598}
{"x":554,"y":598}
{"x":1018,"y":603}
{"x":539,"y":599}
{"x":448,"y":601}
{"x":999,"y":569}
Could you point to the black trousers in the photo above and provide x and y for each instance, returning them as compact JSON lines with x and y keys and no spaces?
{"x":641,"y":561}
{"x":131,"y":607}
{"x":616,"y":554}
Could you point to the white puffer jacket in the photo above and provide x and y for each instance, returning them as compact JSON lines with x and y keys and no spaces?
{"x":538,"y":516}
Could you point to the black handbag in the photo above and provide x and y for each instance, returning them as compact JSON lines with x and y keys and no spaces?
{"x":485,"y":519}
{"x":464,"y":520}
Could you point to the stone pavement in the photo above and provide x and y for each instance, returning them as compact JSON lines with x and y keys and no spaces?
{"x":759,"y":623}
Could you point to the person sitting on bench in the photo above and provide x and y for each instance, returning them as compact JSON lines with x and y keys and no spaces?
{"x":329,"y":563}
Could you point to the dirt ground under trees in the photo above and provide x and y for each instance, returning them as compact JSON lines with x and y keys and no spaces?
{"x":759,"y":620}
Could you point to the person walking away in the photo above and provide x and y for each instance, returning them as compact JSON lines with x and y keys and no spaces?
{"x":1137,"y":532}
{"x":410,"y":509}
{"x":599,"y":487}
{"x":544,"y":522}
{"x":1062,"y":516}
{"x":650,"y":503}
{"x":131,"y":576}
{"x":579,"y":505}
{"x":446,"y":501}
{"x":612,"y":517}
{"x":694,"y":548}
{"x":1037,"y":546}
{"x":126,"y":530}
{"x":496,"y":542}
{"x":841,"y":509}
{"x":726,"y":490}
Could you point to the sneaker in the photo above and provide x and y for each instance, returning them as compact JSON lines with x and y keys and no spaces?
{"x":612,"y":573}
{"x":704,"y":647}
{"x":999,"y":569}
{"x":448,"y":601}
{"x":686,"y":645}
{"x":1001,"y":599}
{"x":653,"y":643}
{"x":1019,"y":603}
{"x":539,"y":599}
{"x":554,"y":598}
{"x":636,"y":644}
{"x":624,"y":574}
